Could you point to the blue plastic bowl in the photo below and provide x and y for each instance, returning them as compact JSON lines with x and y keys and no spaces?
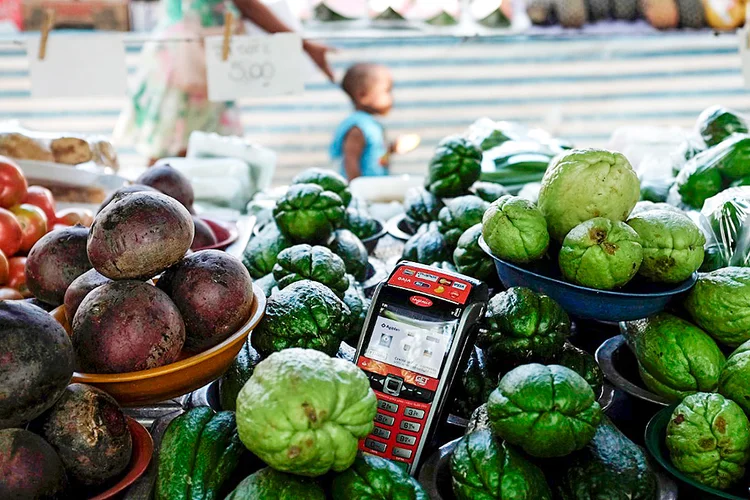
{"x":638,"y":299}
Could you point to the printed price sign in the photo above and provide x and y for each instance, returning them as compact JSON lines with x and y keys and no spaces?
{"x":91,"y":65}
{"x":257,"y":66}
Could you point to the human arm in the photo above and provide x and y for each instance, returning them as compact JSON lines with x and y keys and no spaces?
{"x":354,"y":145}
{"x":259,"y":13}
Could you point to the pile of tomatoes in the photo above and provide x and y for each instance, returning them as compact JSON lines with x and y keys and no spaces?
{"x":26,"y":214}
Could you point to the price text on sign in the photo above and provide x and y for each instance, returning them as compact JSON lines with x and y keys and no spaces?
{"x":257,"y":66}
{"x":90,"y":65}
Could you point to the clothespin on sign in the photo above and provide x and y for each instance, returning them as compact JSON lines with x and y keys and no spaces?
{"x":228,"y":28}
{"x":47,"y":25}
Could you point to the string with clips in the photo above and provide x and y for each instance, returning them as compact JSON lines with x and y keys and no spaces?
{"x":49,"y":22}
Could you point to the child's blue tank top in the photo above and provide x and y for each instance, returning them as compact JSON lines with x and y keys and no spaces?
{"x":374,"y":159}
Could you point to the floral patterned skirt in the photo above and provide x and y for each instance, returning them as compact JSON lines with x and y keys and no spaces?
{"x":161,"y":115}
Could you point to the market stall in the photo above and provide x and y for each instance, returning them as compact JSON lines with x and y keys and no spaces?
{"x":539,"y":304}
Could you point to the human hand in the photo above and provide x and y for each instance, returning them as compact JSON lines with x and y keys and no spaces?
{"x":318,"y":52}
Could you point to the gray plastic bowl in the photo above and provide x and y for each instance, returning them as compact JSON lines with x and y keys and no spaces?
{"x":636,"y":300}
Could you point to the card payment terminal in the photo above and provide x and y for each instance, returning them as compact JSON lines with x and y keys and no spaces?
{"x":419,"y":328}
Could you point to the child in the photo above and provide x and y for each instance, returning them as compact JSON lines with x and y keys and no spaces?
{"x":359,"y":141}
{"x":171,"y":99}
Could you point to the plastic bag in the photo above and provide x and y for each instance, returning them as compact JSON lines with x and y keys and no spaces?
{"x":260,"y":161}
{"x":21,"y":143}
{"x":725,"y":223}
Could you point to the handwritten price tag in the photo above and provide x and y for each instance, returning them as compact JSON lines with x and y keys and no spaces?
{"x":257,"y":66}
{"x":91,"y":65}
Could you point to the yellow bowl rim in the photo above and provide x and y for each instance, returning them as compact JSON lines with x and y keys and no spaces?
{"x":244,"y":330}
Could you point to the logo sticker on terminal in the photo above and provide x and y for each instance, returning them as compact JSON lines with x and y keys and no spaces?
{"x":420,"y":301}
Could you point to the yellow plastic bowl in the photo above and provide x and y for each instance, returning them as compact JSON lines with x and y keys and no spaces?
{"x":178,"y":378}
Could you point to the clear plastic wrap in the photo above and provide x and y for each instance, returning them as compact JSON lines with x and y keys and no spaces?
{"x":724,"y":220}
{"x":21,"y":143}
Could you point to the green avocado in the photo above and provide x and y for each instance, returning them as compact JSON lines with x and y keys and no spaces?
{"x":428,"y":245}
{"x":270,"y":484}
{"x":610,"y":467}
{"x":675,"y":358}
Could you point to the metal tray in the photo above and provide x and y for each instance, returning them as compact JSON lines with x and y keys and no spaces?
{"x":619,"y":366}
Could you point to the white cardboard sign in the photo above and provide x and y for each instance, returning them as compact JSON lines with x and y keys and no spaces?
{"x":257,"y":66}
{"x":78,"y":66}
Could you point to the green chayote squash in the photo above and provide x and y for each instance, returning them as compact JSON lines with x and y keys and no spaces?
{"x":454,"y":167}
{"x":308,"y":214}
{"x":484,"y":469}
{"x":270,"y":484}
{"x":601,"y":253}
{"x":237,"y":375}
{"x":585,"y":183}
{"x":469,"y":257}
{"x":428,"y":245}
{"x":328,"y":180}
{"x":352,"y":251}
{"x":488,"y":191}
{"x":610,"y":467}
{"x":472,"y":386}
{"x":305,"y":412}
{"x":459,"y":214}
{"x":583,"y":363}
{"x":734,"y":381}
{"x":316,"y":263}
{"x":522,"y":326}
{"x":362,"y":225}
{"x":261,"y":252}
{"x":358,"y":305}
{"x":549,"y":411}
{"x":672,"y":245}
{"x":720,"y":304}
{"x":421,"y":206}
{"x":372,"y":477}
{"x":480,"y":419}
{"x":304,"y":314}
{"x":675,"y":358}
{"x":708,"y":438}
{"x":717,"y":123}
{"x":515,"y":230}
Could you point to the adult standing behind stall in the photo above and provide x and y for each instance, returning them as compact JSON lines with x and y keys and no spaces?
{"x":171,"y":95}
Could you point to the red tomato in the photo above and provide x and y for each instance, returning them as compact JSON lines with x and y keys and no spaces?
{"x":7,"y":293}
{"x":10,"y":233}
{"x":4,"y":270}
{"x":33,"y":224}
{"x":73,"y":216}
{"x":12,"y":183}
{"x":42,"y":197}
{"x":17,"y":268}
